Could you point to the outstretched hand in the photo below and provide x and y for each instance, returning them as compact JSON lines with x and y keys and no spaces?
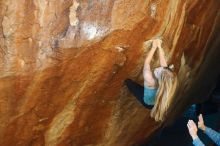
{"x":201,"y":124}
{"x":156,"y":43}
{"x":192,"y":129}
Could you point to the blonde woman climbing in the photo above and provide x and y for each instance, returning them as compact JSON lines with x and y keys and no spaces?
{"x":159,"y":84}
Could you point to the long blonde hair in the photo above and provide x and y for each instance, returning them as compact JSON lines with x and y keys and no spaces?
{"x":165,"y":94}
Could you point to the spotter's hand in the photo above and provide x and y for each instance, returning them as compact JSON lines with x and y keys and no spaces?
{"x":201,"y":124}
{"x":192,"y":129}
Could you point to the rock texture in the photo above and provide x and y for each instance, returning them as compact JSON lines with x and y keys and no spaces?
{"x":63,"y":62}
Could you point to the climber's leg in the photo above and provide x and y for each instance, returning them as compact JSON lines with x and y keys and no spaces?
{"x":137,"y":91}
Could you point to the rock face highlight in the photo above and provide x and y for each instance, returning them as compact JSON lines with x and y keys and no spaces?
{"x":63,"y":64}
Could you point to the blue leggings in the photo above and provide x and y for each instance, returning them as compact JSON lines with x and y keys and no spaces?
{"x":138,"y":91}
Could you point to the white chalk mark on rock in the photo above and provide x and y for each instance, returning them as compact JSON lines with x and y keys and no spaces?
{"x":72,"y":15}
{"x":153,"y":10}
{"x":92,"y":30}
{"x":89,"y":30}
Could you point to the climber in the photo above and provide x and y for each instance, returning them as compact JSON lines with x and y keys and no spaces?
{"x":159,"y":85}
{"x":215,"y":136}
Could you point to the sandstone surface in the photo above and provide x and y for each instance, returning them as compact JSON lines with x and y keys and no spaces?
{"x":63,"y":63}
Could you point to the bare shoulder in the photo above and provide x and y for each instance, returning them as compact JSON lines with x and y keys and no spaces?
{"x":150,"y":83}
{"x":149,"y":79}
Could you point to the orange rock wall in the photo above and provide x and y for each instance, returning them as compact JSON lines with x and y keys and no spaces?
{"x":62,"y":67}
